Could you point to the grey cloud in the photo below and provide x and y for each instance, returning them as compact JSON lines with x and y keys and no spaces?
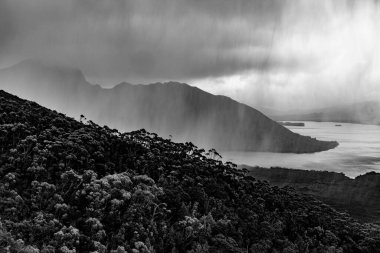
{"x":6,"y":26}
{"x":146,"y":40}
{"x":252,"y":9}
{"x":288,"y":53}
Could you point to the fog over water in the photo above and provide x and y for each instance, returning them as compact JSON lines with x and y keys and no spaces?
{"x":358,"y":151}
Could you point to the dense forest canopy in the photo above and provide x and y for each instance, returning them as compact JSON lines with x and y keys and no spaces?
{"x":359,"y":196}
{"x":69,"y":186}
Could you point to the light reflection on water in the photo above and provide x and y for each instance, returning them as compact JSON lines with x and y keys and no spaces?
{"x":358,"y":151}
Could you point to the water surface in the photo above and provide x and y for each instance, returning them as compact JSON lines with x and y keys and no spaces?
{"x":358,"y":151}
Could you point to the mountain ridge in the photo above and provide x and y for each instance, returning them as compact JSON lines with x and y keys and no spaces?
{"x":366,"y":112}
{"x":177,"y":109}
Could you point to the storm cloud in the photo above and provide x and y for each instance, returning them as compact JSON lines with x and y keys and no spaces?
{"x":272,"y":52}
{"x":145,"y":40}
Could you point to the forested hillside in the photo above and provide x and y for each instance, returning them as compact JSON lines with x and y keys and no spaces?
{"x":69,"y":186}
{"x":360,"y":196}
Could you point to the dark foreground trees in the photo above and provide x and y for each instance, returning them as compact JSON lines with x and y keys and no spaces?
{"x":66,"y":186}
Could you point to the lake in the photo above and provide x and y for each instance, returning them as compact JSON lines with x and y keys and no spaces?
{"x":358,"y":151}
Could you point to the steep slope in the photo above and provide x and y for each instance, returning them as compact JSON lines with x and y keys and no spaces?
{"x":362,"y":113}
{"x":66,"y":186}
{"x":184,"y":112}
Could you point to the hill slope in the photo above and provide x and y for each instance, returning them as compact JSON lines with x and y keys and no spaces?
{"x":66,"y":186}
{"x":187,"y":113}
{"x":362,"y":113}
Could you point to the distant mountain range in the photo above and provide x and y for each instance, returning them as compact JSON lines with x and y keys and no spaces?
{"x":170,"y":109}
{"x":362,"y":113}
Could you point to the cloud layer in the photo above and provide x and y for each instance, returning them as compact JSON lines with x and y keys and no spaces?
{"x":273,"y":52}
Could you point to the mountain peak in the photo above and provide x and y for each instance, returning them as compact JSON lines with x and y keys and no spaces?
{"x":171,"y":108}
{"x":46,"y":67}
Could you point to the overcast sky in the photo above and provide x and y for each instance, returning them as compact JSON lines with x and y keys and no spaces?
{"x":284,"y":54}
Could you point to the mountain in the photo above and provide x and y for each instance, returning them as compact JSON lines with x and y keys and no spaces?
{"x":362,"y":113}
{"x":184,"y":112}
{"x":66,"y":186}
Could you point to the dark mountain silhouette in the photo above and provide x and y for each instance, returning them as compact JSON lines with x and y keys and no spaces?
{"x":177,"y":109}
{"x":362,"y":113}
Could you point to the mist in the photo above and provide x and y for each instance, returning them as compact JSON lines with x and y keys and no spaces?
{"x":276,"y":54}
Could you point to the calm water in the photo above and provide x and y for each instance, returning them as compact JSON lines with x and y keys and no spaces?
{"x":358,"y":151}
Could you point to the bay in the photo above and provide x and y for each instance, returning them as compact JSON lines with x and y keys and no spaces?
{"x":358,"y":151}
